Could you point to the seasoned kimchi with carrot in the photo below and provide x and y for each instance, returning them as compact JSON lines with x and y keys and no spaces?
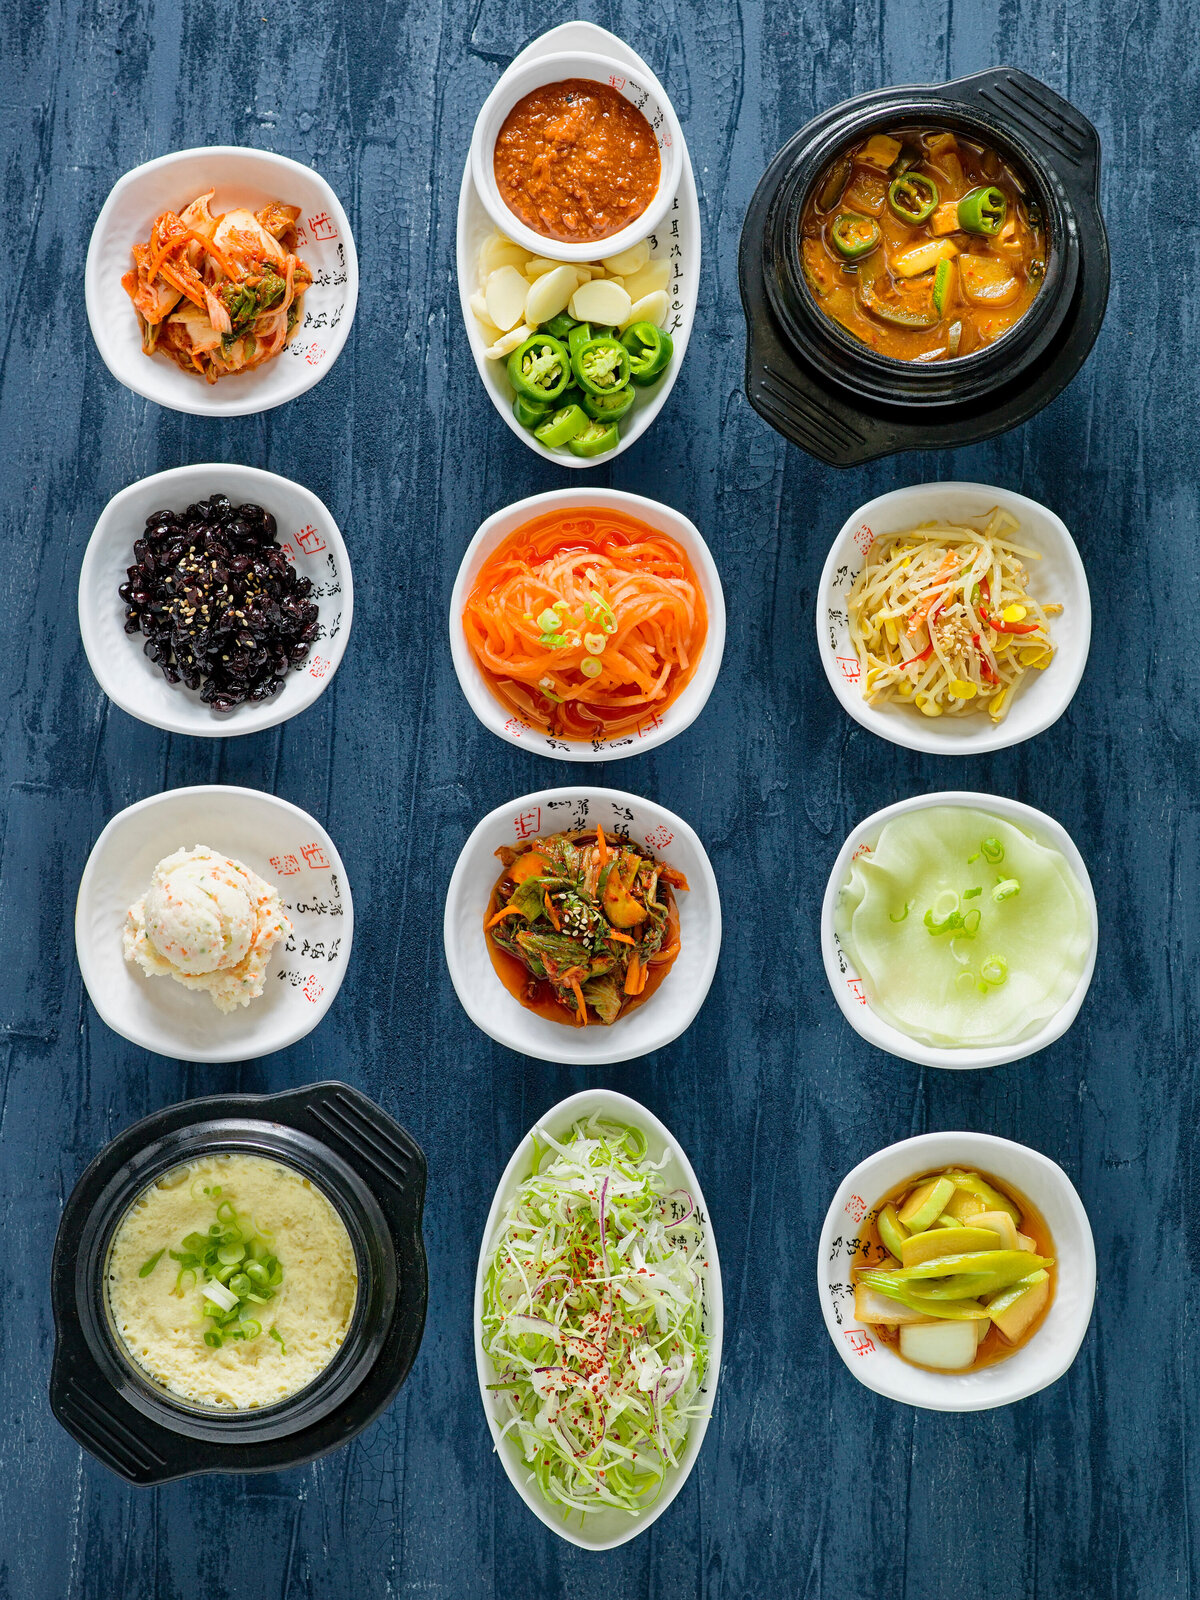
{"x":218,"y":293}
{"x":582,"y":928}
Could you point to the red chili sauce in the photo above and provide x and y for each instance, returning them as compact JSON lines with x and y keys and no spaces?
{"x":576,"y":161}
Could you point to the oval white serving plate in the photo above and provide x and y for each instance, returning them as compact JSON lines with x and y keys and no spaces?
{"x":1036,"y":1364}
{"x":1059,"y":576}
{"x":679,"y":231}
{"x":601,"y":1530}
{"x":847,"y":985}
{"x":287,"y":848}
{"x":533,"y":69}
{"x":656,"y":729}
{"x":306,"y":531}
{"x":241,"y":177}
{"x":667,"y":1012}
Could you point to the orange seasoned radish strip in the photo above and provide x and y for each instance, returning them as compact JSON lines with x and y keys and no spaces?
{"x":555,"y":920}
{"x":573,"y":979}
{"x":632,"y":976}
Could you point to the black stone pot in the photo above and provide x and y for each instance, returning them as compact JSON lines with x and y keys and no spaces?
{"x":372,"y":1172}
{"x":846,"y":403}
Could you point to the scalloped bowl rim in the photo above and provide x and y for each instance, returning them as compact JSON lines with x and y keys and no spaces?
{"x":692,"y":699}
{"x":611,"y":1103}
{"x":865,"y":1020}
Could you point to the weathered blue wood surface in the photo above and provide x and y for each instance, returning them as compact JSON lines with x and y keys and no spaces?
{"x":808,"y":1485}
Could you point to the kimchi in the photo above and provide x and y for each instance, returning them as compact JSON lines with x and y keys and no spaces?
{"x":218,"y":293}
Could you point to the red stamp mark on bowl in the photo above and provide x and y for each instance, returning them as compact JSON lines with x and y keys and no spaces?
{"x":861,"y":1343}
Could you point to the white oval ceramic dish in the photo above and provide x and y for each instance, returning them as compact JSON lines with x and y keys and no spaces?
{"x":667,"y":1012}
{"x":847,"y":985}
{"x":241,"y":176}
{"x":602,"y":1530}
{"x":1051,"y":1349}
{"x":657,"y":728}
{"x":677,"y":241}
{"x":287,"y":848}
{"x":306,"y":530}
{"x":556,"y":56}
{"x":1059,"y":576}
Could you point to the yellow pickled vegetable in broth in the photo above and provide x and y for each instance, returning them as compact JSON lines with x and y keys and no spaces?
{"x":923,"y":244}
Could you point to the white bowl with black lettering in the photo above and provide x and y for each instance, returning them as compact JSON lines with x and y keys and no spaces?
{"x":657,"y":727}
{"x":653,"y":1024}
{"x":1041,"y":697}
{"x":241,"y":176}
{"x":1049,"y":1351}
{"x":307,"y":533}
{"x":289,"y":850}
{"x":846,"y":982}
{"x":602,"y":1530}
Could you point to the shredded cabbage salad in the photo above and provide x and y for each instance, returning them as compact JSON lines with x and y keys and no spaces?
{"x":593,"y":1318}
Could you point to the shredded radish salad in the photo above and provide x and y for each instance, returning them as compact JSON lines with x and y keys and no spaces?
{"x":593,"y":1314}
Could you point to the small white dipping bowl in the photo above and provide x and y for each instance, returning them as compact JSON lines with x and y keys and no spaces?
{"x":668,"y":1011}
{"x":306,"y":530}
{"x":1042,"y":697}
{"x":847,"y":985}
{"x":1049,"y":1352}
{"x":656,"y":729}
{"x":288,"y":849}
{"x":641,"y":89}
{"x":241,"y":177}
{"x":601,"y":1530}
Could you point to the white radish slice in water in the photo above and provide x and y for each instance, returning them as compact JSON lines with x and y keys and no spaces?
{"x":506,"y":293}
{"x":549,"y":295}
{"x":949,"y":1346}
{"x":628,"y":261}
{"x":602,"y":302}
{"x":650,"y":308}
{"x":497,"y":251}
{"x":654,"y":275}
{"x":507,"y":342}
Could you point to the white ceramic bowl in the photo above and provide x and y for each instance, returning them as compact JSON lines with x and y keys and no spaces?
{"x":656,"y":730}
{"x":637,"y":85}
{"x":1042,"y":697}
{"x":306,"y":530}
{"x":667,"y":1012}
{"x":287,"y":848}
{"x":677,"y":242}
{"x":241,"y":177}
{"x":1052,"y":1348}
{"x":601,"y":1530}
{"x":847,"y":985}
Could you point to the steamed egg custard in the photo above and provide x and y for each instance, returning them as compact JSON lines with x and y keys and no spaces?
{"x":232,"y":1281}
{"x":964,"y":929}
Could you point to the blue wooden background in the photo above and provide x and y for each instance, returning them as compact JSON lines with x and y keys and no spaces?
{"x":808,"y":1485}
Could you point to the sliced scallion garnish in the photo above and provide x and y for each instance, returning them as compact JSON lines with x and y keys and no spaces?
{"x":148,"y":1266}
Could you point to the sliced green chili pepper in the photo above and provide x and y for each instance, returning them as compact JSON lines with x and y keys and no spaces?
{"x":608,"y":407}
{"x":562,"y":427}
{"x":595,"y":439}
{"x":649,"y":348}
{"x":579,"y":336}
{"x":559,"y":327}
{"x":601,"y":365}
{"x":530,"y":412}
{"x":853,"y":236}
{"x":898,"y":316}
{"x":540,"y":368}
{"x":983,"y":210}
{"x":912,"y":197}
{"x":941,"y":286}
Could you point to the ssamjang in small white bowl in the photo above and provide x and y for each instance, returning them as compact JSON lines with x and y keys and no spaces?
{"x":1041,"y":696}
{"x":1049,"y":1350}
{"x":308,"y":535}
{"x":241,"y":177}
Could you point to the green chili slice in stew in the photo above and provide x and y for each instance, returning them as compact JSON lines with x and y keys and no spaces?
{"x":983,"y":210}
{"x":853,"y":236}
{"x":912,"y":197}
